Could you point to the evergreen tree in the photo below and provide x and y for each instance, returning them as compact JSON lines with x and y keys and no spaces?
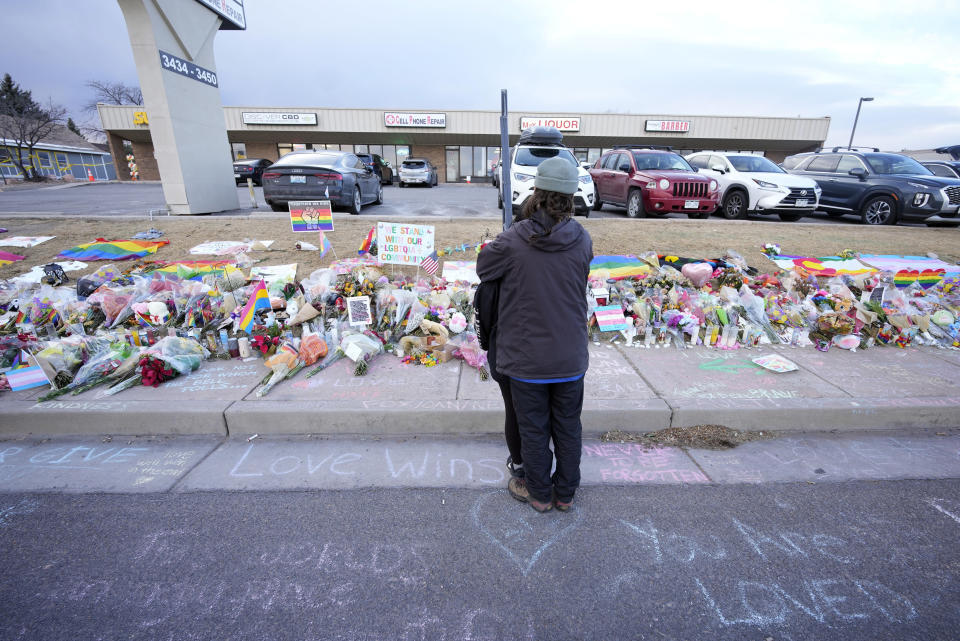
{"x":72,"y":126}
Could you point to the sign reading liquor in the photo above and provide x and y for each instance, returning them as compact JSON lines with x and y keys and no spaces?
{"x":404,"y":119}
{"x":563,"y":123}
{"x":230,"y":10}
{"x":278,"y":118}
{"x":677,"y":126}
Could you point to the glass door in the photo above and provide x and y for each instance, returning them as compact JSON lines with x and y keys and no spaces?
{"x":453,"y":164}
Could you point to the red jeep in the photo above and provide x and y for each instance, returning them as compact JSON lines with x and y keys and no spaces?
{"x":652,"y":181}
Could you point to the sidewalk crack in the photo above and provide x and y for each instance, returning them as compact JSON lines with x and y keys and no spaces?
{"x":697,"y":463}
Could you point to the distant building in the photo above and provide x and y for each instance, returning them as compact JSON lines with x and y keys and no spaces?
{"x":61,"y":154}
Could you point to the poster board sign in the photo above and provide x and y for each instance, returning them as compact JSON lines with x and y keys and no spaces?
{"x":466,"y":270}
{"x":311,"y":215}
{"x":403,"y":244}
{"x":610,"y":318}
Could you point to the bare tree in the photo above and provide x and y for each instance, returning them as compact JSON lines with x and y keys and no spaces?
{"x":25,"y":125}
{"x":110,"y":93}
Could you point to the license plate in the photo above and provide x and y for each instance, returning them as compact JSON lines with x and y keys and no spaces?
{"x":298,"y":179}
{"x":236,"y":175}
{"x":691,"y":204}
{"x":801,"y":202}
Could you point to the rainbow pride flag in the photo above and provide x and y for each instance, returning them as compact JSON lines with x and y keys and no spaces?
{"x":6,"y":258}
{"x":196,"y":269}
{"x":102,"y":249}
{"x":259,"y":299}
{"x":618,"y":267}
{"x":311,"y":215}
{"x":367,"y":242}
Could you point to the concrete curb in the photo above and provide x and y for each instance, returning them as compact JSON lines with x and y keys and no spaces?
{"x":83,"y":417}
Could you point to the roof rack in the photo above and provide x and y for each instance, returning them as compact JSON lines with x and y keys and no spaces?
{"x":873,"y":149}
{"x":654,"y":147}
{"x":547,"y":136}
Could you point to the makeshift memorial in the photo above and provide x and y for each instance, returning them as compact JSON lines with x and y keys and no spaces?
{"x":405,"y":244}
{"x":311,"y":215}
{"x":170,"y":357}
{"x":96,"y":370}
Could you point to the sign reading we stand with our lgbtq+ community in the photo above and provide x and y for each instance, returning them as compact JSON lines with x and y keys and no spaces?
{"x":404,"y":244}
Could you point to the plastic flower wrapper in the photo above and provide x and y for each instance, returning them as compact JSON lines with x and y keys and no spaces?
{"x":755,"y":308}
{"x":361,"y":348}
{"x":113,"y":301}
{"x":462,"y":300}
{"x":467,"y":347}
{"x":418,"y":311}
{"x":281,"y":365}
{"x":172,"y":356}
{"x":98,"y":369}
{"x":62,"y":358}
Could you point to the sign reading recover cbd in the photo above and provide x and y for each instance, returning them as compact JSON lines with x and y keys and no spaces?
{"x":563,"y":123}
{"x":403,"y":244}
{"x":278,"y":118}
{"x":404,"y":119}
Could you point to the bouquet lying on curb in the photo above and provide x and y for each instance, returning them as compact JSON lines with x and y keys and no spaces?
{"x":169,"y":358}
{"x":98,"y":369}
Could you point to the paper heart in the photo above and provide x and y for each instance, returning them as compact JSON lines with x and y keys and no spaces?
{"x":698,"y":273}
{"x":905,"y":278}
{"x":930,"y":277}
{"x":520,"y":532}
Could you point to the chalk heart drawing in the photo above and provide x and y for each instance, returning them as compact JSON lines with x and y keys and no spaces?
{"x":519,"y":531}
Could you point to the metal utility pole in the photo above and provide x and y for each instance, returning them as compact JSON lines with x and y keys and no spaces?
{"x":505,"y":162}
{"x":856,"y":118}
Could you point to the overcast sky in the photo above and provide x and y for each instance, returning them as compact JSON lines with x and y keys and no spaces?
{"x":723,"y":57}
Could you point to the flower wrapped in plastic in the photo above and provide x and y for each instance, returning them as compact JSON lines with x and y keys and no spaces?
{"x":467,"y":347}
{"x":97,"y":370}
{"x":172,"y":356}
{"x":281,"y":364}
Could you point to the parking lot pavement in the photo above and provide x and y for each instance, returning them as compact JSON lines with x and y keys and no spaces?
{"x":442,"y":201}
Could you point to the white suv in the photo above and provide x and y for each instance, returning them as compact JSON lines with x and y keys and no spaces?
{"x":536,"y":145}
{"x":753,"y":184}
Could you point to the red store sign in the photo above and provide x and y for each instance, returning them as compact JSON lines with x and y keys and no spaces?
{"x":563,"y":123}
{"x":678,"y":126}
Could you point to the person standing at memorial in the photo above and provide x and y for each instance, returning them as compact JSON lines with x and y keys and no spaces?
{"x":542,"y":263}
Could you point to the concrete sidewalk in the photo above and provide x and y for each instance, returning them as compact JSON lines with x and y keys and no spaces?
{"x":627,"y":388}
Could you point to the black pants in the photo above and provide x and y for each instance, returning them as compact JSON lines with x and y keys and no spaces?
{"x":511,"y":431}
{"x":545,"y":412}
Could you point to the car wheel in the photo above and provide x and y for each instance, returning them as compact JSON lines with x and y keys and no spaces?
{"x":878,"y":210}
{"x":790,"y":218}
{"x":379,"y":200}
{"x":278,"y":207}
{"x":597,"y":203}
{"x":355,"y":205}
{"x":735,"y":205}
{"x":429,"y":184}
{"x":635,"y":204}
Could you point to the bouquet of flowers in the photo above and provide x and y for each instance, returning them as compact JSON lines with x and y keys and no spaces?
{"x":98,"y":369}
{"x":172,"y":356}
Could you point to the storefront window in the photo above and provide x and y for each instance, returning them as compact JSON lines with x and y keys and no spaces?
{"x":593,"y":155}
{"x":466,"y":162}
{"x":479,"y":162}
{"x":239,"y":150}
{"x":360,"y":149}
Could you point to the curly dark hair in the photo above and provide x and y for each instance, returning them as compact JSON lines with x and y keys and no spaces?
{"x":554,"y":204}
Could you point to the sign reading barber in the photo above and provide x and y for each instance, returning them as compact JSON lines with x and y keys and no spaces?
{"x":403,"y":244}
{"x":563,"y":123}
{"x":678,"y":126}
{"x":278,"y":118}
{"x":405,"y":119}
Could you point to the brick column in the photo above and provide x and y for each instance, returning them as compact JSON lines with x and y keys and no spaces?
{"x":115,"y":143}
{"x":146,"y":163}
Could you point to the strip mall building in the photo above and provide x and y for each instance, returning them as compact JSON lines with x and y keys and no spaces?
{"x":464,"y":145}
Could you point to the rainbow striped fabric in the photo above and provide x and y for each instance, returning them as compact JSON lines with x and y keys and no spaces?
{"x":102,"y":249}
{"x":6,"y":258}
{"x":367,"y":242}
{"x":196,"y":269}
{"x":618,"y":267}
{"x":259,"y":299}
{"x":610,"y":318}
{"x":311,"y":215}
{"x":823,"y":266}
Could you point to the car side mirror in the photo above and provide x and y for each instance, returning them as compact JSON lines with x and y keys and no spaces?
{"x":718,"y":168}
{"x":625,"y":167}
{"x":859,"y":172}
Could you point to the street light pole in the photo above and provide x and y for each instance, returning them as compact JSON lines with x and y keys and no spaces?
{"x":856,"y":118}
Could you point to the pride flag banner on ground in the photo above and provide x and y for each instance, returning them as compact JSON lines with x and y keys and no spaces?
{"x":102,"y":249}
{"x":6,"y":258}
{"x":311,"y":215}
{"x":823,"y":266}
{"x":259,"y":299}
{"x":618,"y":267}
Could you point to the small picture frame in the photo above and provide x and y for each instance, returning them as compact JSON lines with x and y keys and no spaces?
{"x":358,"y":307}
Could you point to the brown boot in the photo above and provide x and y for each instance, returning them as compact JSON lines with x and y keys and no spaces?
{"x":518,"y":489}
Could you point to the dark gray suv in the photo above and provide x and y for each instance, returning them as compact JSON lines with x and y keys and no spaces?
{"x":880,"y":188}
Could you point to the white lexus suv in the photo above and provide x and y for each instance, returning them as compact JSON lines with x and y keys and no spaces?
{"x":536,"y":144}
{"x":754,"y":184}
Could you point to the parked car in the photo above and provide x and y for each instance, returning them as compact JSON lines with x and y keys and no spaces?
{"x":880,"y":188}
{"x":495,"y":172}
{"x":418,"y":171}
{"x":380,"y":167}
{"x":535,"y":145}
{"x":652,"y":181}
{"x":943,"y":168}
{"x":753,"y":184}
{"x":250,"y":168}
{"x":338,"y":176}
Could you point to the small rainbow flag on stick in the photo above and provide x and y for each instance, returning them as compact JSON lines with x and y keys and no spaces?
{"x":258,"y":300}
{"x":311,"y":215}
{"x":325,"y":245}
{"x":367,"y":242}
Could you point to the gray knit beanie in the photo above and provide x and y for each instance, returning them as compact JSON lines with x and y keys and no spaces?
{"x":556,"y":174}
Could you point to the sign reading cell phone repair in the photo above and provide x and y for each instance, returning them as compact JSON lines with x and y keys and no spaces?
{"x":403,"y":119}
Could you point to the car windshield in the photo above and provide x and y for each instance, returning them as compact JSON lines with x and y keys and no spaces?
{"x":323,"y":160}
{"x":754,"y":164}
{"x":533,"y":156}
{"x":661,"y":161}
{"x":895,"y":164}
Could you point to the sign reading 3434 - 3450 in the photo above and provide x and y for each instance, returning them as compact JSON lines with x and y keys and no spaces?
{"x":186,"y":68}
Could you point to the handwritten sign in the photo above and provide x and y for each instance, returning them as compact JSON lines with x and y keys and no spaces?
{"x":311,"y":215}
{"x":403,"y":244}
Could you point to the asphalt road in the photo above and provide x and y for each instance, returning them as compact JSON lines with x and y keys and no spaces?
{"x":857,"y":560}
{"x":445,"y":200}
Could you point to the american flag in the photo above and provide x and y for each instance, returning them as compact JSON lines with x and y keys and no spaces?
{"x":430,"y":264}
